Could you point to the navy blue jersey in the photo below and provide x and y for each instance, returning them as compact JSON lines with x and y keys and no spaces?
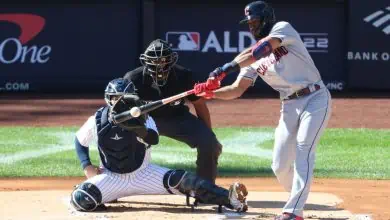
{"x":179,"y":80}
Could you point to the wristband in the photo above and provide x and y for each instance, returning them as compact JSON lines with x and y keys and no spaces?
{"x":230,"y":67}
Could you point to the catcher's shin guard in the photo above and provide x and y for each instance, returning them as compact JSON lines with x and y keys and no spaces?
{"x":204,"y":191}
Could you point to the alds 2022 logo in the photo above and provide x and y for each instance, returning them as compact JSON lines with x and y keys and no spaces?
{"x":190,"y":41}
{"x":14,"y":50}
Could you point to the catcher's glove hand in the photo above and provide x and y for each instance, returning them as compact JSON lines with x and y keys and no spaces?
{"x":125,"y":104}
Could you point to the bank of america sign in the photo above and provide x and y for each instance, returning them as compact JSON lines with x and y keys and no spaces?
{"x":380,"y":19}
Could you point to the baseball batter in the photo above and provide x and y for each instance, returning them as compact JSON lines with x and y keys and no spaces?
{"x":125,"y":154}
{"x":282,"y":61}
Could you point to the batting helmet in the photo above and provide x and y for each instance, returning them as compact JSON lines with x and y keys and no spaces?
{"x":259,"y":10}
{"x":158,"y":59}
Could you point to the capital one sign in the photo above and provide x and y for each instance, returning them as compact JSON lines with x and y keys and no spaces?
{"x":16,"y":50}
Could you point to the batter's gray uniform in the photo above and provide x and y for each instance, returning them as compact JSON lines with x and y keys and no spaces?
{"x":288,"y":70}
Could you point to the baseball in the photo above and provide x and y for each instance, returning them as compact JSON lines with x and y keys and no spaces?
{"x":135,"y":112}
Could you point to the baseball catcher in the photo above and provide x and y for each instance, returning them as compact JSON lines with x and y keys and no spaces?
{"x":125,"y":154}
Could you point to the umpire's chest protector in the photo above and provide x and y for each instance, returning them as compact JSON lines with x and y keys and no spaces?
{"x":119,"y":150}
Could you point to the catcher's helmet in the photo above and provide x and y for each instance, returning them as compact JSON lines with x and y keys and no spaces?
{"x":260,"y":10}
{"x":158,"y":59}
{"x":118,"y":87}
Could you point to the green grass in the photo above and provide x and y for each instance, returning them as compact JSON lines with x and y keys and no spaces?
{"x":342,"y":153}
{"x":19,"y":139}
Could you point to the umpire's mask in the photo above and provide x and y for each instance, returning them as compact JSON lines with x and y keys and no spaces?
{"x":158,"y":59}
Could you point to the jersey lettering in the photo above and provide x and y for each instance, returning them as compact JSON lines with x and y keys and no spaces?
{"x":270,"y":60}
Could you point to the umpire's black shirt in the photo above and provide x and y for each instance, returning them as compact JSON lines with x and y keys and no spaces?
{"x":179,"y":80}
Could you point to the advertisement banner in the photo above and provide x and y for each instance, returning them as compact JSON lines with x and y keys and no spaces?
{"x":369,"y":45}
{"x":62,"y":49}
{"x":208,"y":36}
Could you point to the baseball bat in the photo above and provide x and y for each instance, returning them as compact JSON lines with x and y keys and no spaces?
{"x":126,"y":115}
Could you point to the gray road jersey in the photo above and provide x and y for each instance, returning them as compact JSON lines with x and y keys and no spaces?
{"x":289,"y":68}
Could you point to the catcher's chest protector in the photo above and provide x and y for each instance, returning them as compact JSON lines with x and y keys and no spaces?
{"x":119,"y":150}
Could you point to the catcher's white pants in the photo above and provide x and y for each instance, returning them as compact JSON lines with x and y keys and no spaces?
{"x":148,"y":179}
{"x":301,"y":124}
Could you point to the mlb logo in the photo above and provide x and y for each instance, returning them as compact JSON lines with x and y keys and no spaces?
{"x":183,"y":41}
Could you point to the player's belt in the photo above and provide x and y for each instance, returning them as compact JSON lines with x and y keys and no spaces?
{"x":304,"y":92}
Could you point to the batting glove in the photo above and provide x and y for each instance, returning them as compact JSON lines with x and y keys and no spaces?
{"x":218,"y":74}
{"x":209,"y":94}
{"x":209,"y":85}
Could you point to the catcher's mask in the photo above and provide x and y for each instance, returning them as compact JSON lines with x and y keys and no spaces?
{"x":158,"y":59}
{"x":116,"y":89}
{"x":121,"y":95}
{"x":260,"y":17}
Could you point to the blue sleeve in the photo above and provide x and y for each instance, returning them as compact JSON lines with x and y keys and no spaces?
{"x":82,"y":153}
{"x":261,"y":49}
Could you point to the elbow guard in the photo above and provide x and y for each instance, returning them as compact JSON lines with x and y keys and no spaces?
{"x":261,"y":49}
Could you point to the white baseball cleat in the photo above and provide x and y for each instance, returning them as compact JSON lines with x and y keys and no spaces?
{"x":237,"y":197}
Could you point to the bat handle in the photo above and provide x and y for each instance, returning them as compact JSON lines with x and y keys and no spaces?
{"x":124,"y":116}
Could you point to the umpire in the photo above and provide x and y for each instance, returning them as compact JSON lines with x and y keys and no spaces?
{"x":160,"y":77}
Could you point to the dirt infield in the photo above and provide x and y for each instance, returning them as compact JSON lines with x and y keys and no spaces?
{"x":330,"y":199}
{"x":346,"y":113}
{"x":45,"y":195}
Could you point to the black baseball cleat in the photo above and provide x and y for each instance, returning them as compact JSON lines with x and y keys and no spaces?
{"x":113,"y":201}
{"x":188,"y":200}
{"x":100,"y":208}
{"x":196,"y":203}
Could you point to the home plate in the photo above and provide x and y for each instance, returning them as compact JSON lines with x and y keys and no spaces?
{"x":262,"y":205}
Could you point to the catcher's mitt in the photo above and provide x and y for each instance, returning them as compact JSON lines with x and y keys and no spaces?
{"x":125,"y":104}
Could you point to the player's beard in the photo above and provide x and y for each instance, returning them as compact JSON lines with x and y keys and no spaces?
{"x":261,"y":31}
{"x":255,"y":31}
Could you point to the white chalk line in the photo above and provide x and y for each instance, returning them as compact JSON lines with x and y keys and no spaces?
{"x":65,"y":140}
{"x":248,"y":143}
{"x":243,"y":143}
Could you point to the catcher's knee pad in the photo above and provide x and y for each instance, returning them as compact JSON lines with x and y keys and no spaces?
{"x":86,"y":197}
{"x":173,"y":178}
